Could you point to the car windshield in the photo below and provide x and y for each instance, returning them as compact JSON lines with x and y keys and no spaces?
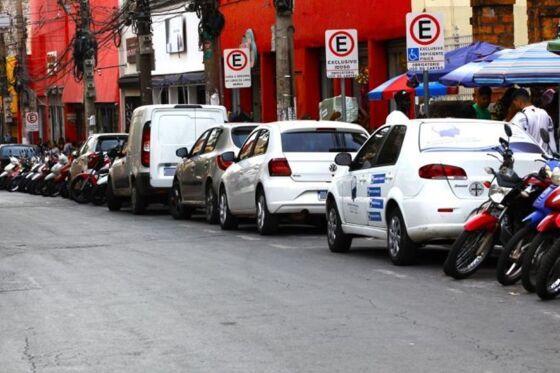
{"x":240,"y":134}
{"x":104,"y":145}
{"x":322,"y":141}
{"x":472,"y":136}
{"x":16,"y":151}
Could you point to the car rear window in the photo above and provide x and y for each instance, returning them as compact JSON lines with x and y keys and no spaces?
{"x":240,"y":134}
{"x":104,"y":145}
{"x":473,"y":136}
{"x":17,"y":151}
{"x":322,"y":141}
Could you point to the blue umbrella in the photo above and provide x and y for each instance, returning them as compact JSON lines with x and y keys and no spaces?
{"x":531,"y":64}
{"x":457,"y":58}
{"x":464,"y":75}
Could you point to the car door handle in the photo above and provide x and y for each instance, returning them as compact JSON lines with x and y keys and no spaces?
{"x":389,"y":177}
{"x":363,"y":181}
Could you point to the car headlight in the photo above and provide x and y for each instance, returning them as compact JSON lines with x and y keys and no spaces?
{"x":497,"y":193}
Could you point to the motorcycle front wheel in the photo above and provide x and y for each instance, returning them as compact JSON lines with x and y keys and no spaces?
{"x":548,"y":274}
{"x":468,"y":253}
{"x":510,"y":263}
{"x":80,"y":190}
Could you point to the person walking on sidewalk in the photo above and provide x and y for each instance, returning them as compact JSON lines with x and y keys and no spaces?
{"x":533,"y":119}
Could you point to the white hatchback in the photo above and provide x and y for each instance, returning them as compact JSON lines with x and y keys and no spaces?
{"x":284,"y":168}
{"x":418,"y":182}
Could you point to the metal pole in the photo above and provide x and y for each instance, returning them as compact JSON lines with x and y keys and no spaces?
{"x":426,"y":94}
{"x":144,"y":23}
{"x":343,"y":98}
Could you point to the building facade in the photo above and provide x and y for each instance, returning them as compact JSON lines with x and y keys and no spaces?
{"x":59,"y":96}
{"x":380,"y":25}
{"x":178,"y":74}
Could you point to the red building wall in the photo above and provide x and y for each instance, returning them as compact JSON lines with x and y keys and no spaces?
{"x":377,"y":22}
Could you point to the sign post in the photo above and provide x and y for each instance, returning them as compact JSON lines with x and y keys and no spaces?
{"x":31,"y":121}
{"x":425,"y":47}
{"x":341,"y":47}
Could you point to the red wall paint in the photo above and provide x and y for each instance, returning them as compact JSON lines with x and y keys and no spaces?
{"x":377,"y":21}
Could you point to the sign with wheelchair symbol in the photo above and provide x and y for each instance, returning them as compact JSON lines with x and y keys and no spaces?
{"x":413,"y":54}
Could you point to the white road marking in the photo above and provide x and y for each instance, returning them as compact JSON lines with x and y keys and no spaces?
{"x":278,"y":246}
{"x":391,"y":273}
{"x":553,"y":314}
{"x":248,"y":238}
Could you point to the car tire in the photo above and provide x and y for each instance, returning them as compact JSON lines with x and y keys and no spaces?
{"x":114,"y":203}
{"x":227,"y":220}
{"x":212,"y":210}
{"x":339,"y":242}
{"x":267,"y":223}
{"x":402,"y":250}
{"x":177,"y":210}
{"x":137,"y":201}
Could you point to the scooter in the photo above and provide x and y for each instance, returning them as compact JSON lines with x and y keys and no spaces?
{"x":84,"y":185}
{"x":52,"y":184}
{"x":510,"y":200}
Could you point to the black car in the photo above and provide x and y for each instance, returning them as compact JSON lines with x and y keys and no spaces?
{"x":16,"y":150}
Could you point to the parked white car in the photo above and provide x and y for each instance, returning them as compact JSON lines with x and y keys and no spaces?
{"x":284,"y":168}
{"x":418,"y":182}
{"x":145,"y":170}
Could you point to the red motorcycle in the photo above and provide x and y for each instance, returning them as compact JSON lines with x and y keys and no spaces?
{"x":84,"y":184}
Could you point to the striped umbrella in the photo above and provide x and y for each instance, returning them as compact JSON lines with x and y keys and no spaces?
{"x":531,"y":64}
{"x":464,"y":75}
{"x":387,"y":90}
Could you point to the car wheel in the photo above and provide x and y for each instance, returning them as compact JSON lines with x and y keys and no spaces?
{"x":267,"y":223}
{"x":402,"y":250}
{"x":339,"y":242}
{"x":176,"y":208}
{"x":227,"y":220}
{"x":137,"y":201}
{"x":212,"y":209}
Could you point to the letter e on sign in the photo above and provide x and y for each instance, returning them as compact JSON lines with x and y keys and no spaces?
{"x":237,"y":69}
{"x":425,"y":42}
{"x":341,"y":49}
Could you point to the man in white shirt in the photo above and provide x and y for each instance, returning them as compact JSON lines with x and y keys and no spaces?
{"x":399,"y":116}
{"x":533,"y":119}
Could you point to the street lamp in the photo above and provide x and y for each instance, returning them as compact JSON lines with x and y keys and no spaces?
{"x":554,"y":45}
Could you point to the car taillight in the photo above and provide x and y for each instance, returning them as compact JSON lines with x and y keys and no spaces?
{"x":279,"y":167}
{"x":145,"y":154}
{"x":441,"y":172}
{"x":223,"y":165}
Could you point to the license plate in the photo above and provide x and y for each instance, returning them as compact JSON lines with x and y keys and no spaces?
{"x":322,"y":194}
{"x":169,"y":171}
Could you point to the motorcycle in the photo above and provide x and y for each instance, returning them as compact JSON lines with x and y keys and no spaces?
{"x":56,"y":179}
{"x":547,"y":279}
{"x":84,"y":187}
{"x":510,"y":263}
{"x":10,"y":171}
{"x":510,"y":201}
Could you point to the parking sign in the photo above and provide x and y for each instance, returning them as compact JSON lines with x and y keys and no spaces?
{"x":237,"y":68}
{"x":425,"y":41}
{"x":341,"y":48}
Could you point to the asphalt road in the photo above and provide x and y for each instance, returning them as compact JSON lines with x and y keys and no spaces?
{"x":83,"y":289}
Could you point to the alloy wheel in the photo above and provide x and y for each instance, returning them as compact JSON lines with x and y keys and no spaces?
{"x":260,"y":212}
{"x":395,"y":233}
{"x":209,"y":204}
{"x":223,"y":208}
{"x":332,"y":223}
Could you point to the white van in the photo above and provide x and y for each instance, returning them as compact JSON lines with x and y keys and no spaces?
{"x":146,"y":167}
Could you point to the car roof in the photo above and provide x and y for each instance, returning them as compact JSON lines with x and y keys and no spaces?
{"x":109,"y":134}
{"x":413,"y":122}
{"x":290,"y":125}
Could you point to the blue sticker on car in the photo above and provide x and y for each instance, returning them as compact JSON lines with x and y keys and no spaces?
{"x":378,"y":179}
{"x":376,"y":203}
{"x":374,"y":216}
{"x":374,"y":192}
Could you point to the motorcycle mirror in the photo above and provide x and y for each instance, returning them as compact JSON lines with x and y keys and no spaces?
{"x":489,"y":170}
{"x":504,"y":142}
{"x":545,"y":136}
{"x":508,"y":130}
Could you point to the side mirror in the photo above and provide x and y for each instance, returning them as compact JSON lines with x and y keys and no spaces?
{"x":182,"y":153}
{"x":489,"y":170}
{"x":343,"y":159}
{"x":228,"y":157}
{"x":75,"y":153}
{"x":508,"y":130}
{"x":545,"y":136}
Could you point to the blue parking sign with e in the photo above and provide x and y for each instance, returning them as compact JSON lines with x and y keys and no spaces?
{"x":413,"y":54}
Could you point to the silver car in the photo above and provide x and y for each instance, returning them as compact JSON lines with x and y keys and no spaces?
{"x":197,"y":178}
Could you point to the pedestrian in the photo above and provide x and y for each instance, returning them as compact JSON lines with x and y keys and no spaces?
{"x":482,"y":99}
{"x":533,"y":119}
{"x":504,"y":109}
{"x":68,"y":148}
{"x":400,"y":115}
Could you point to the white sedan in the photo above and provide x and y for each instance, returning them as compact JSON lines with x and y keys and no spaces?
{"x":284,"y":168}
{"x":418,"y":182}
